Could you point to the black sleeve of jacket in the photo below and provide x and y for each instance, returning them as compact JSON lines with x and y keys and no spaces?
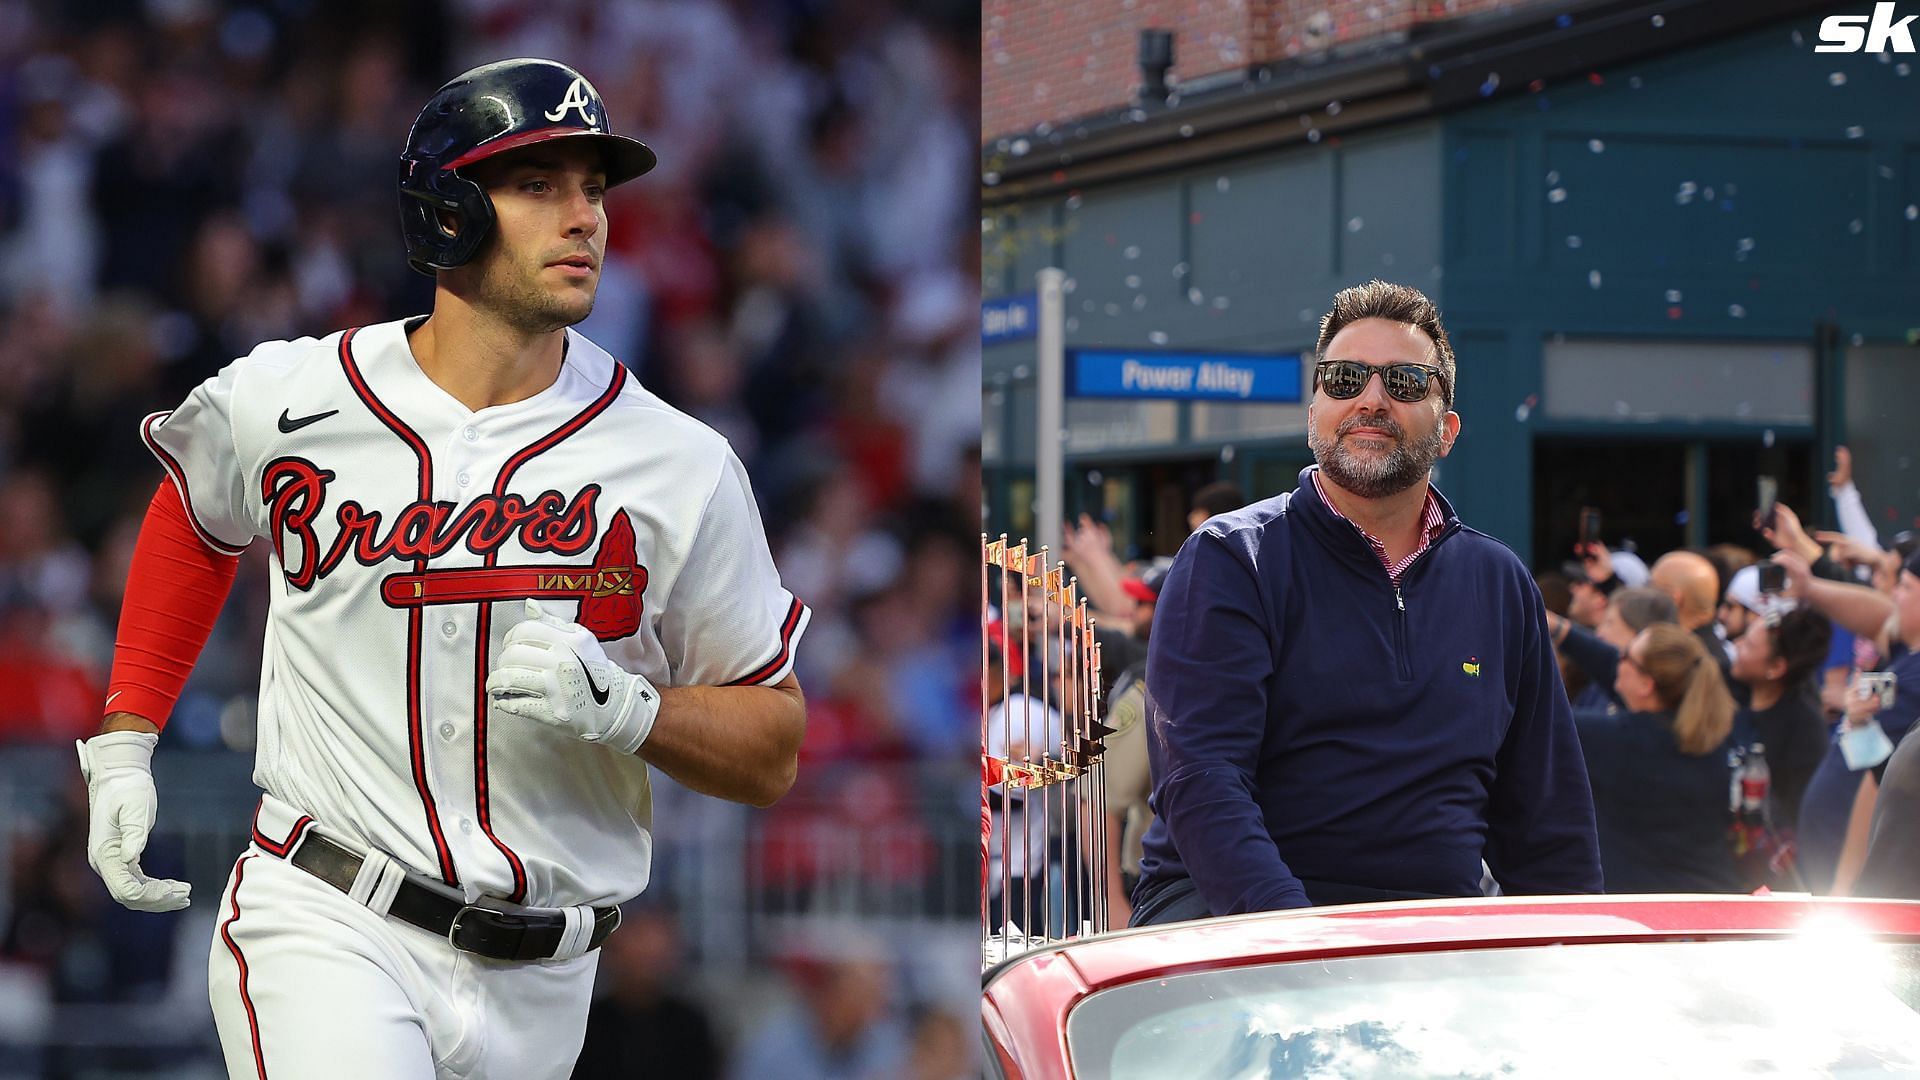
{"x":1598,"y":659}
{"x":1541,"y":835}
{"x":1207,"y":670}
{"x":1824,"y":567}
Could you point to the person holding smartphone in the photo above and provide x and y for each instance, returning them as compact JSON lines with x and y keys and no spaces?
{"x":1354,"y":697}
{"x":1842,"y":788}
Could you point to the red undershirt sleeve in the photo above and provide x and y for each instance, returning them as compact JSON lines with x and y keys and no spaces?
{"x":175,"y":589}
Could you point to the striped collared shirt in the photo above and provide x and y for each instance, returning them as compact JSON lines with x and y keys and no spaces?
{"x":1432,"y":524}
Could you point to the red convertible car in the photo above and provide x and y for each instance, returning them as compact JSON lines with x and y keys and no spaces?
{"x":1642,"y":986}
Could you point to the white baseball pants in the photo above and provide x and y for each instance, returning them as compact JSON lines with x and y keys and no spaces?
{"x":307,"y":984}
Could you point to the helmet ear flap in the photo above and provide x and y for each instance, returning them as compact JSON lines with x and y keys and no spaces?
{"x":431,"y":245}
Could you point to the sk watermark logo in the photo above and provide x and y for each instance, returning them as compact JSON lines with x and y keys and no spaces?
{"x":1471,"y":666}
{"x":1866,"y":33}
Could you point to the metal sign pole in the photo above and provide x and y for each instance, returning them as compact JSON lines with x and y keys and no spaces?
{"x":1050,"y":408}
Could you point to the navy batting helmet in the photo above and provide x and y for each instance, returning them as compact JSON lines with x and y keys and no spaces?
{"x":489,"y":110}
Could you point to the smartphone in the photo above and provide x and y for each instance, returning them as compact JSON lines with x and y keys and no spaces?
{"x":1773,"y":578}
{"x":1883,"y":683}
{"x":1769,"y":496}
{"x":1589,"y":526}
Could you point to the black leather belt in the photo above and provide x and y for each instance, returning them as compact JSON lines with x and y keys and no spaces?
{"x":502,"y":935}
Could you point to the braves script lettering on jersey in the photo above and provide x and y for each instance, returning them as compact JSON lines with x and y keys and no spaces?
{"x":407,"y":531}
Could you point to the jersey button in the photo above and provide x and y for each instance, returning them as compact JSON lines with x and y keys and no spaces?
{"x":465,"y":479}
{"x":466,"y":826}
{"x":446,"y":731}
{"x":471,"y":434}
{"x":449,"y":629}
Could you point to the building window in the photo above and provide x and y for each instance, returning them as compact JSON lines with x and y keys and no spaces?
{"x":1644,"y":381}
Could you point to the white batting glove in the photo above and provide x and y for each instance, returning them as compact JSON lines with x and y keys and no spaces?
{"x":555,"y":671}
{"x":121,"y":804}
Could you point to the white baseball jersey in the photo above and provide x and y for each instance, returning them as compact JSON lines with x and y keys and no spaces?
{"x":406,"y":529}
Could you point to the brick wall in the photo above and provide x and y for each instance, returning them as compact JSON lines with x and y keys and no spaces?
{"x":1057,"y":60}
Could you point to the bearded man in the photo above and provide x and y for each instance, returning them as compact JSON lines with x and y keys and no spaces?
{"x":1353,"y":696}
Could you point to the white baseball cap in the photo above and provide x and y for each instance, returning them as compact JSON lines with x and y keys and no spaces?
{"x":1744,"y":590}
{"x":1631,"y":569}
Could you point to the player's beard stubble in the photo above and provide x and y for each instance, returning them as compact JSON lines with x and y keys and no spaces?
{"x":1375,"y":476}
{"x":512,"y":286}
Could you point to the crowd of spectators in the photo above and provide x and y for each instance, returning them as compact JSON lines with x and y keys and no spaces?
{"x":1741,"y":711}
{"x":1738,"y":709}
{"x":182,"y":179}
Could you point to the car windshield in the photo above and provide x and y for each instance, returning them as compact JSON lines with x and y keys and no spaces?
{"x":1826,"y":1006}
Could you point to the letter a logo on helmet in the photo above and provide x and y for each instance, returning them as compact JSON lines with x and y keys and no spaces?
{"x":445,"y":216}
{"x":577,"y":98}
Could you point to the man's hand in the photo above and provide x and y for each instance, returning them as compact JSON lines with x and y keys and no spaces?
{"x":1862,"y":703}
{"x":1597,"y":560}
{"x":1842,"y":473}
{"x":1799,"y":574}
{"x":1090,"y":539}
{"x":555,"y":671}
{"x":1787,"y":534}
{"x":1846,"y":550}
{"x":121,"y":805}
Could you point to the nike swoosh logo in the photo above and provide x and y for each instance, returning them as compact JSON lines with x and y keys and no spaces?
{"x":113,"y":695}
{"x":288,"y":425}
{"x":599,"y":695}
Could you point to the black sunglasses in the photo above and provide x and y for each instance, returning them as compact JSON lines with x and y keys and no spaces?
{"x":1343,"y":379}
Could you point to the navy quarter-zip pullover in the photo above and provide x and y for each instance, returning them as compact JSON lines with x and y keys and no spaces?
{"x":1310,"y":720}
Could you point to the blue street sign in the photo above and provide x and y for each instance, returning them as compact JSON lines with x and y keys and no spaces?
{"x":1010,"y":318}
{"x":1191,"y":376}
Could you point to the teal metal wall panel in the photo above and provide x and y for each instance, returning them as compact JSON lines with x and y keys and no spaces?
{"x":1261,"y":227}
{"x":1653,"y":209}
{"x":1747,"y":191}
{"x":1811,"y":161}
{"x":1489,"y":473}
{"x":1482,"y":176}
{"x":1119,"y":247}
{"x":1389,"y":212}
{"x":1906,"y":208}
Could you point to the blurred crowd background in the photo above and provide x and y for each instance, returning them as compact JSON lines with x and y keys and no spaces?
{"x":181,"y":179}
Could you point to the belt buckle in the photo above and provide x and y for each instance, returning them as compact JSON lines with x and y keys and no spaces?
{"x":453,"y":928}
{"x":502,"y":945}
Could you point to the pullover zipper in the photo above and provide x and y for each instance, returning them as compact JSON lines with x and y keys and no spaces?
{"x":1400,"y":606}
{"x":1400,"y":634}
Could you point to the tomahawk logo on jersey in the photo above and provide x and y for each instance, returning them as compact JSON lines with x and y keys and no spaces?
{"x":408,"y":530}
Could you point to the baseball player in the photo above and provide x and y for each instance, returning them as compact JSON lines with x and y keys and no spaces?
{"x":506,"y":582}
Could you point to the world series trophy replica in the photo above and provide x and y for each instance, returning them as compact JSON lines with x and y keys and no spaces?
{"x":1043,"y":822}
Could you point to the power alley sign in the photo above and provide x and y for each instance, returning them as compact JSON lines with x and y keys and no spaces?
{"x":1190,"y":376}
